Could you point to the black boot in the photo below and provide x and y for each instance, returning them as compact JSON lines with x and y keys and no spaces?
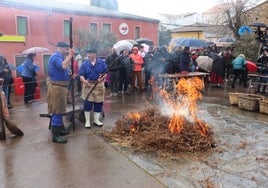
{"x":63,"y":131}
{"x":56,"y":135}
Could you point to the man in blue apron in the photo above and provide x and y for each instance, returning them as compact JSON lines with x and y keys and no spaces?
{"x":58,"y":70}
{"x":91,"y":74}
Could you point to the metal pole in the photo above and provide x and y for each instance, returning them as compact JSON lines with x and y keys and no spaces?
{"x":72,"y":69}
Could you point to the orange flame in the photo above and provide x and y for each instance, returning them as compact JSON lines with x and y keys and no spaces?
{"x":135,"y":116}
{"x":184,"y":104}
{"x":132,"y":128}
{"x":176,"y":123}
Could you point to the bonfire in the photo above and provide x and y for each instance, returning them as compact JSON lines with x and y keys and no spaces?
{"x":174,"y":127}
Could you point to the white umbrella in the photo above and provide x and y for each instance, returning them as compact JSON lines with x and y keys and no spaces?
{"x":35,"y":50}
{"x":123,"y":45}
{"x":205,"y":63}
{"x":146,"y":47}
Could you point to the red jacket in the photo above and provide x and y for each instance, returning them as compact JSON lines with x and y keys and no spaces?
{"x":137,"y":58}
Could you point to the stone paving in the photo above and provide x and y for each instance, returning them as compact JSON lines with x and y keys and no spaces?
{"x":239,"y":160}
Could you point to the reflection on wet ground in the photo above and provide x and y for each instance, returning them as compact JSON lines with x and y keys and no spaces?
{"x":240,"y":159}
{"x":241,"y":156}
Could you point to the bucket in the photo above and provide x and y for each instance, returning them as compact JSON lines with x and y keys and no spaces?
{"x":18,"y":86}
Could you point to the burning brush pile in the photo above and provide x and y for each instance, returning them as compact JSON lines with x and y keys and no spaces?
{"x":174,"y":128}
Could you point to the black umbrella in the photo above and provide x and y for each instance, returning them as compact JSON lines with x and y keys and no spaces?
{"x":145,"y":40}
{"x":257,"y":24}
{"x":226,"y":39}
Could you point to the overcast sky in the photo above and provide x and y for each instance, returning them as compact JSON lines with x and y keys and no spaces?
{"x":150,"y":8}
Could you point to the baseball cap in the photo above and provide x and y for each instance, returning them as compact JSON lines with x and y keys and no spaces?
{"x":91,"y":50}
{"x":63,"y":45}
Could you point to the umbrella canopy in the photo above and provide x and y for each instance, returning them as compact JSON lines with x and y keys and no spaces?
{"x":227,"y":39}
{"x":257,"y":24}
{"x":132,"y":41}
{"x":209,"y":43}
{"x":145,"y":40}
{"x":244,"y":29}
{"x":205,"y":63}
{"x":146,"y":47}
{"x":174,"y":42}
{"x":251,"y":66}
{"x":123,"y":45}
{"x":192,"y":42}
{"x":35,"y":50}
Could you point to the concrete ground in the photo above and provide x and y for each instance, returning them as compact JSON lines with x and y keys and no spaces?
{"x":87,"y":160}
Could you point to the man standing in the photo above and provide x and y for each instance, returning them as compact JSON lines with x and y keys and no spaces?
{"x":91,"y":75}
{"x":114,"y":71}
{"x":6,"y":74}
{"x":185,"y":60}
{"x":58,"y":70}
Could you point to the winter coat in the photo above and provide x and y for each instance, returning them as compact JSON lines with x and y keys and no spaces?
{"x":219,"y":66}
{"x":7,"y":76}
{"x":138,"y":62}
{"x":185,"y":61}
{"x":110,"y":62}
{"x":239,"y":63}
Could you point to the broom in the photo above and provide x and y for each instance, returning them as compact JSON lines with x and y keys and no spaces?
{"x":13,"y":128}
{"x":10,"y":125}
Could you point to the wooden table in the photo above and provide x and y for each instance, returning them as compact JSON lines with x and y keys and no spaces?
{"x":175,"y":77}
{"x":254,"y":80}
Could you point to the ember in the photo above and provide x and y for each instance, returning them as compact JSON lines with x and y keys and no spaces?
{"x":178,"y":130}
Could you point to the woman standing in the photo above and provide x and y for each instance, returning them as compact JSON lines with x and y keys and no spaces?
{"x":239,"y":66}
{"x":28,"y":76}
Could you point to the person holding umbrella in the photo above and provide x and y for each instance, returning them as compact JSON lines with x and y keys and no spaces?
{"x":58,"y":70}
{"x":28,"y":76}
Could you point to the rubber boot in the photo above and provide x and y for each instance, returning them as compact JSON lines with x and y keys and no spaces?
{"x":87,"y":119}
{"x":56,"y":135}
{"x":97,"y":119}
{"x":63,"y":131}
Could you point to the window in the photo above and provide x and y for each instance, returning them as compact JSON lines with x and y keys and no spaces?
{"x":22,"y":25}
{"x":93,"y":28}
{"x":18,"y":61}
{"x":66,"y":28}
{"x":45,"y":63}
{"x":106,"y":28}
{"x":137,"y":32}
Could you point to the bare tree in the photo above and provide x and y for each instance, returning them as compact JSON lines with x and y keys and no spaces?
{"x":233,"y":14}
{"x":102,"y":41}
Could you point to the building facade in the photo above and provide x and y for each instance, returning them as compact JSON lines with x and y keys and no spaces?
{"x":39,"y":23}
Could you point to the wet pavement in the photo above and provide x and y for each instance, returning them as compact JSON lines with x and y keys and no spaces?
{"x":87,"y":160}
